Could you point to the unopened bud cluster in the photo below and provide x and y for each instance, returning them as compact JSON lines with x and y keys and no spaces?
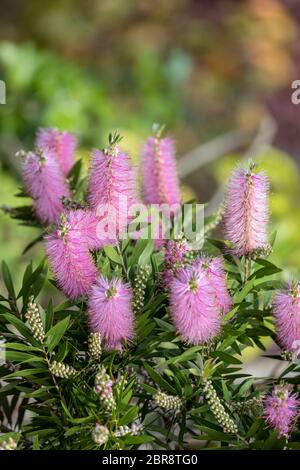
{"x":133,"y":430}
{"x":103,"y":386}
{"x":140,"y":284}
{"x":178,"y":254}
{"x":94,"y":346}
{"x":218,"y":409}
{"x":100,"y":434}
{"x":252,"y":405}
{"x":10,"y":444}
{"x":69,"y":204}
{"x":262,"y":252}
{"x":167,"y":402}
{"x":64,"y":371}
{"x":34,"y":321}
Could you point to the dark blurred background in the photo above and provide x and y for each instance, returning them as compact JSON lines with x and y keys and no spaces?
{"x":218,"y":73}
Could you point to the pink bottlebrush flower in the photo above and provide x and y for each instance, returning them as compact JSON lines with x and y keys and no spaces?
{"x":214,"y":268}
{"x":281,"y":409}
{"x":286,"y":309}
{"x":246,"y":211}
{"x":110,"y":312}
{"x":70,"y":259}
{"x":112,"y":188}
{"x":160,"y":180}
{"x":62,"y":144}
{"x":193,"y":308}
{"x":84,"y":222}
{"x":45,"y":183}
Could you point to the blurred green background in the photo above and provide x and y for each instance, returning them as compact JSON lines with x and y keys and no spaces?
{"x":217,"y":73}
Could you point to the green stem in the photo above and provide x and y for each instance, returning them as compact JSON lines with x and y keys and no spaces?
{"x":122,"y":262}
{"x":247,"y":269}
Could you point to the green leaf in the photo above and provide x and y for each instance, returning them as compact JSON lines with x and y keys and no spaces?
{"x":185,"y":356}
{"x":226,"y":392}
{"x":25,"y":373}
{"x":239,"y":297}
{"x":18,"y":356}
{"x":20,"y":347}
{"x":8,"y":280}
{"x":36,"y":279}
{"x":138,"y":250}
{"x":36,"y":444}
{"x":55,"y":334}
{"x":257,"y":425}
{"x":74,"y":173}
{"x":112,"y":254}
{"x":159,"y":380}
{"x":145,"y":257}
{"x":138,"y":439}
{"x":149,"y":389}
{"x":214,"y":435}
{"x":129,"y":416}
{"x":227,"y":358}
{"x":19,"y":325}
{"x":49,"y":316}
{"x":245,"y":385}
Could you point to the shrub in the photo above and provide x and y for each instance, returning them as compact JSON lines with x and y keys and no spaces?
{"x":149,"y":345}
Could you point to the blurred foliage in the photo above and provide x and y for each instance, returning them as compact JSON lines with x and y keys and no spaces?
{"x":46,"y":91}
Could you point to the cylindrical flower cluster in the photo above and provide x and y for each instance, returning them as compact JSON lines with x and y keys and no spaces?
{"x":246,"y":211}
{"x":253,"y":405}
{"x":64,"y":371}
{"x":140,"y":284}
{"x":9,"y":444}
{"x":45,"y":183}
{"x":286,"y":310}
{"x":194,"y":310}
{"x":218,"y":409}
{"x":167,"y":402}
{"x":61,"y":143}
{"x":103,"y":387}
{"x":34,"y":321}
{"x":160,"y":180}
{"x":133,"y":430}
{"x":68,"y":252}
{"x":100,"y":434}
{"x":281,"y":409}
{"x":111,"y":191}
{"x":214,"y":268}
{"x":110,"y":312}
{"x":94,"y":346}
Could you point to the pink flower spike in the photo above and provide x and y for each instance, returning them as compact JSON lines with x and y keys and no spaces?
{"x":62,"y":143}
{"x":70,"y":259}
{"x":193,"y":308}
{"x":286,"y":310}
{"x":110,"y":312}
{"x":84,"y":222}
{"x":112,"y":188}
{"x":246,"y":211}
{"x":281,"y":409}
{"x":45,"y":183}
{"x":160,"y":180}
{"x":216,"y":276}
